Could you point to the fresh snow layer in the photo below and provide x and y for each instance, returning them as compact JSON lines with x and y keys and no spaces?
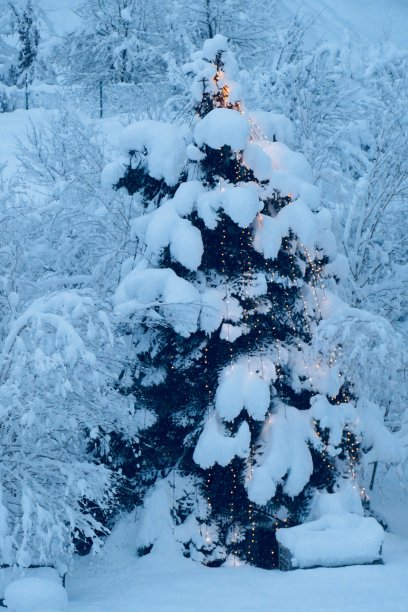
{"x":177,"y":300}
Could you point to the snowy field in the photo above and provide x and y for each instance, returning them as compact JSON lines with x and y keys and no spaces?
{"x":118,"y":582}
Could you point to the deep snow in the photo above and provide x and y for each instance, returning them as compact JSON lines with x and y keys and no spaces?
{"x":116,"y":581}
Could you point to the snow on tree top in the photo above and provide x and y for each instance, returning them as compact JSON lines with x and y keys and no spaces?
{"x":222,"y":127}
{"x":214,"y":67}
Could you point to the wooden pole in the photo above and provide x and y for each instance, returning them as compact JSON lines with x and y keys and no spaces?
{"x":100,"y":100}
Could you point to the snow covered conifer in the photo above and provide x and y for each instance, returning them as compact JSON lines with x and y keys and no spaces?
{"x":233,"y":279}
{"x":29,"y":39}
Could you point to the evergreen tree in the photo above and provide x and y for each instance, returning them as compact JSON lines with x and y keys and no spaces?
{"x":236,"y":262}
{"x":29,"y":39}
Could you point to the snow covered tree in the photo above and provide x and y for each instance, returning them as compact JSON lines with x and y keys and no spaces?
{"x":232,"y":282}
{"x":29,"y":39}
{"x":119,"y":42}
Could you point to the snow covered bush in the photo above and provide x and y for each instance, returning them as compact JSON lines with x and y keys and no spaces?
{"x":56,"y":397}
{"x":62,"y":415}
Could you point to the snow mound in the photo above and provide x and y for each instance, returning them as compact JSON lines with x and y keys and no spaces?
{"x":164,"y":227}
{"x":337,"y":538}
{"x":222,"y":127}
{"x":334,"y":418}
{"x":36,"y":595}
{"x":310,"y":228}
{"x":111,"y":174}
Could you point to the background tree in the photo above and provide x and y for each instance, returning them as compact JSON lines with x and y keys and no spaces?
{"x":28,"y":42}
{"x":119,"y":42}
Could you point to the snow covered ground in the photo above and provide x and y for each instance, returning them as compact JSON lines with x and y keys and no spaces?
{"x":116,"y":581}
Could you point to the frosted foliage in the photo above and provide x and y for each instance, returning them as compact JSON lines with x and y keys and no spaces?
{"x":284,"y":159}
{"x":334,"y":418}
{"x":322,"y":377}
{"x":186,"y":245}
{"x":230,"y":333}
{"x":245,"y":385}
{"x":213,"y":45}
{"x":212,"y":311}
{"x":370,"y":340}
{"x":186,"y":196}
{"x":241,"y":204}
{"x":216,"y":307}
{"x":165,"y":145}
{"x":161,"y":295}
{"x":285,"y":452}
{"x":164,"y":227}
{"x":111,"y":174}
{"x":284,"y":182}
{"x":216,"y":446}
{"x":334,"y":540}
{"x":222,"y":127}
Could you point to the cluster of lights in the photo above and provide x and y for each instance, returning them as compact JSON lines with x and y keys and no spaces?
{"x":207,"y":536}
{"x":316,"y":268}
{"x":256,"y":133}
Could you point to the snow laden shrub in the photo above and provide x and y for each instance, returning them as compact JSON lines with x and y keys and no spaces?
{"x":235,"y":277}
{"x":61,"y":413}
{"x":56,"y":396}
